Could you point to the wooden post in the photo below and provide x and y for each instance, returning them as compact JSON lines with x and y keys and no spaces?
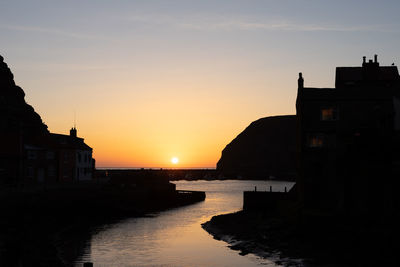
{"x":88,"y":264}
{"x":270,"y":188}
{"x":285,"y":190}
{"x":255,"y":189}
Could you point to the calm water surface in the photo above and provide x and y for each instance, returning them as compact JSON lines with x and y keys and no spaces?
{"x":175,"y":237}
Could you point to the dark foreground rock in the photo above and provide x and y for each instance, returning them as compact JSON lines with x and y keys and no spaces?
{"x":267,"y":147}
{"x":322,"y":241}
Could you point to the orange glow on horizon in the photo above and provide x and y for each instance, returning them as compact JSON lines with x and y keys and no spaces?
{"x":151,"y":132}
{"x":139,"y":121}
{"x":150,"y":81}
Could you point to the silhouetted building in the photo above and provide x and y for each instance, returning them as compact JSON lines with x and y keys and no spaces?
{"x":29,"y":153}
{"x":75,"y":157}
{"x":348,"y":141}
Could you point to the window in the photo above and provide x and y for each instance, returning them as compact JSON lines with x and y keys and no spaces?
{"x":66,"y":157}
{"x":32,"y":155}
{"x":51,"y":171}
{"x":316,"y":140}
{"x":50,"y":155}
{"x":30,"y":171}
{"x":329,"y":114}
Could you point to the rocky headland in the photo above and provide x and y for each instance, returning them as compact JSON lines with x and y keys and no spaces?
{"x":265,"y":149}
{"x":15,"y":113}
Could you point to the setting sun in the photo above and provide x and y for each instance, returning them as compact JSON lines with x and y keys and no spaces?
{"x":174,"y":160}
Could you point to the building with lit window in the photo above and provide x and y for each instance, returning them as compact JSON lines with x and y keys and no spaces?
{"x":348,"y":140}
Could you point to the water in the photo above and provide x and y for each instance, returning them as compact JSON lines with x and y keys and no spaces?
{"x":175,"y":237}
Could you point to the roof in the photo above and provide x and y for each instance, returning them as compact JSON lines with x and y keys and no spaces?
{"x":352,"y":76}
{"x":69,"y":142}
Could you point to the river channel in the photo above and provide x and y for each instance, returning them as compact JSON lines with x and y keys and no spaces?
{"x":175,"y":237}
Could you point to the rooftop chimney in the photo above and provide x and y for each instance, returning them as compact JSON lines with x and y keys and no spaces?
{"x":300,"y":81}
{"x":73,"y":132}
{"x":376,"y":58}
{"x":364,"y":60}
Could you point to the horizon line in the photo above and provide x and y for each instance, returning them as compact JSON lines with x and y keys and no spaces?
{"x":156,"y":168}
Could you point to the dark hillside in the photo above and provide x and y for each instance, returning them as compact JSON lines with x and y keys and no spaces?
{"x":267,"y":147}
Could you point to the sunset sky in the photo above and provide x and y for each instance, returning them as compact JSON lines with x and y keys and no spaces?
{"x":152,"y":80}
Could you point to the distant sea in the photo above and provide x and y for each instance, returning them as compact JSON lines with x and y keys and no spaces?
{"x":155,"y":168}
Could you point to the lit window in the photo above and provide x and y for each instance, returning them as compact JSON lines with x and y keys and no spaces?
{"x":329,"y":114}
{"x":316,"y":140}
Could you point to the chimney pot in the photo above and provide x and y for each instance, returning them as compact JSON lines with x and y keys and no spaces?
{"x":73,"y":132}
{"x":300,"y":81}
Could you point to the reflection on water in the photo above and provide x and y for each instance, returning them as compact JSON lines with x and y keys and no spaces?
{"x":175,"y":237}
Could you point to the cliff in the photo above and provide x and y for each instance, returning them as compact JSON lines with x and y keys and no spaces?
{"x":267,"y":147}
{"x":16,"y":116}
{"x":19,"y":125}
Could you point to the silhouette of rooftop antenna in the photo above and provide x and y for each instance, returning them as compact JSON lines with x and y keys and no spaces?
{"x":75,"y":119}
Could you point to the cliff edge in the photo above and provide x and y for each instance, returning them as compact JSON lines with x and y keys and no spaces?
{"x":16,"y":115}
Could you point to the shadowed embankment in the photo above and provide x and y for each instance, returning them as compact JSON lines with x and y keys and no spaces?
{"x":312,"y":240}
{"x":51,"y":225}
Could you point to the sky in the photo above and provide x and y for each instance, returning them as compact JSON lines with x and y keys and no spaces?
{"x":147,"y":80}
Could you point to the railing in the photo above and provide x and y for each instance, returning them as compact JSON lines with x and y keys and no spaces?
{"x":194,"y":195}
{"x":189,"y":192}
{"x":270,"y":190}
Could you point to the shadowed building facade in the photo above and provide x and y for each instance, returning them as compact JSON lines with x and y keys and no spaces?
{"x":348,"y":141}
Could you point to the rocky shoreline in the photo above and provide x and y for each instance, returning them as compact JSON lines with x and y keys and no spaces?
{"x":251,"y":233}
{"x":323,"y":242}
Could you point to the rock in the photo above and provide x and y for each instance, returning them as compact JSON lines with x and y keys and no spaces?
{"x":266,"y":148}
{"x":16,"y":116}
